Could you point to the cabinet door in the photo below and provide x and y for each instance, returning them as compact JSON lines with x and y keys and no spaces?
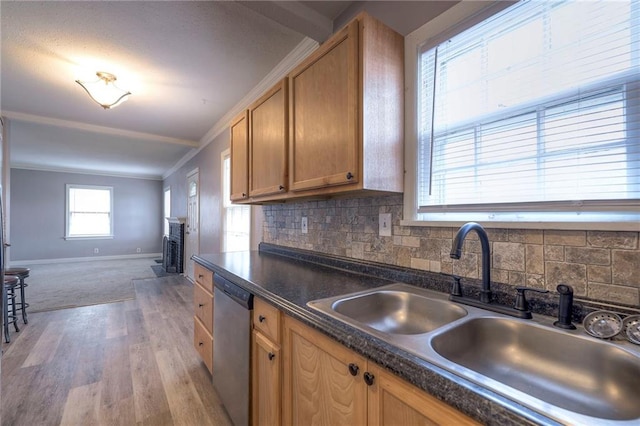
{"x":324,"y":108}
{"x":203,"y":342}
{"x":268,"y":143}
{"x":240,"y":157}
{"x":203,"y":306}
{"x":319,"y":388}
{"x":392,"y":401}
{"x":266,"y":319}
{"x":266,"y":375}
{"x":203,"y":276}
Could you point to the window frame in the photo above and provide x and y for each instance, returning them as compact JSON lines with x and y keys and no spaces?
{"x":68,"y":236}
{"x":225,"y":203}
{"x":166,"y":211}
{"x":453,"y":21}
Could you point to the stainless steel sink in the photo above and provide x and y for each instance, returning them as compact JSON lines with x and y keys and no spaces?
{"x":395,"y":309}
{"x":398,"y":312}
{"x":575,"y":373}
{"x":564,"y":375}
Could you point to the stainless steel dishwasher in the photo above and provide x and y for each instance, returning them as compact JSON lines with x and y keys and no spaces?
{"x":232,"y":307}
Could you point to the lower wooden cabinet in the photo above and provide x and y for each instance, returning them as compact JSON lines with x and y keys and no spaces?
{"x":320,"y":387}
{"x":392,"y":401}
{"x":327,"y":384}
{"x":267,"y":383}
{"x":203,"y":314}
{"x":203,"y":342}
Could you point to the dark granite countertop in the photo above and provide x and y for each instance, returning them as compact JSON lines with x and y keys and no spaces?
{"x":289,"y":278}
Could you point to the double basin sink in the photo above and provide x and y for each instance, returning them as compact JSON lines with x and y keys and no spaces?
{"x":564,"y":375}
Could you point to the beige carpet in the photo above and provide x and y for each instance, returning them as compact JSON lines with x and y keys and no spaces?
{"x":66,"y":285}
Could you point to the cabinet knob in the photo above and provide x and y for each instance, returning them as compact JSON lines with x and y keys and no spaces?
{"x":353,"y":369}
{"x":200,"y":305}
{"x":261,"y":318}
{"x":349,"y":175}
{"x":200,"y":276}
{"x":200,"y":343}
{"x":244,"y":194}
{"x":271,"y":356}
{"x":281,"y":188}
{"x":368,"y":378}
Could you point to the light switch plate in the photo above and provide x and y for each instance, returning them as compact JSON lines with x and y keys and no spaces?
{"x":304,"y":226}
{"x":385,"y":224}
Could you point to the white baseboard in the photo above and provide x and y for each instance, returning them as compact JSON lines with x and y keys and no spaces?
{"x":81,"y":259}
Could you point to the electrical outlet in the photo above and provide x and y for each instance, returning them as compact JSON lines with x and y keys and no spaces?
{"x":138,"y":250}
{"x":96,"y":251}
{"x":304,"y":226}
{"x":384,"y":225}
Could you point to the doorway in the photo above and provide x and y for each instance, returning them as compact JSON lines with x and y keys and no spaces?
{"x":192,"y":231}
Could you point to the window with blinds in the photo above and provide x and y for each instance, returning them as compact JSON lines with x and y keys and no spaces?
{"x":533,"y":114}
{"x":89,"y":211}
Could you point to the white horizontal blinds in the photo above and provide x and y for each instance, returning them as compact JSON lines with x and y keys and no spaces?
{"x":89,"y":211}
{"x":539,"y":104}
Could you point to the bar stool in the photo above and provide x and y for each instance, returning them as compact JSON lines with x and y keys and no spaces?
{"x":9,"y":300}
{"x":20,"y":273}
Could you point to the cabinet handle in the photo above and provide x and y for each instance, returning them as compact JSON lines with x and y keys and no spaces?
{"x":271,"y":356}
{"x":261,"y":318}
{"x":353,"y":369}
{"x":368,"y":378}
{"x":349,"y":175}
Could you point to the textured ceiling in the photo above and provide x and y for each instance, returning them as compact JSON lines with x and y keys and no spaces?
{"x":186,"y":63}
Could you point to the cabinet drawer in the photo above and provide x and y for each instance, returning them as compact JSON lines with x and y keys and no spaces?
{"x":203,"y":342}
{"x":203,"y":306}
{"x":266,"y":318}
{"x":204,"y":277}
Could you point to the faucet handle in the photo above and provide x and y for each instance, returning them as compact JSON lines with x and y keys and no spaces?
{"x":456,"y":287}
{"x":521,"y":300}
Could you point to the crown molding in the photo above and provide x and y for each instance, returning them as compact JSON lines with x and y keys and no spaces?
{"x":19,"y":116}
{"x":38,"y":168}
{"x":300,"y":52}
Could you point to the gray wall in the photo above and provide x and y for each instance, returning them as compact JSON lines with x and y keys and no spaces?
{"x":38,"y":216}
{"x":208,"y":163}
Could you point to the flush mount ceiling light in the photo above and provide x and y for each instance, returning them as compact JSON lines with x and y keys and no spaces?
{"x":104,"y":91}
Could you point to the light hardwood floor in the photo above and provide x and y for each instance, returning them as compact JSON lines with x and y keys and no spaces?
{"x":125,"y":363}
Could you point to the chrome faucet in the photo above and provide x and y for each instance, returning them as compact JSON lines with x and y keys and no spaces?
{"x":456,"y":252}
{"x":521,"y":309}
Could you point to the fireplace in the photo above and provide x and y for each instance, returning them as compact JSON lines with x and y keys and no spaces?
{"x":173,"y":246}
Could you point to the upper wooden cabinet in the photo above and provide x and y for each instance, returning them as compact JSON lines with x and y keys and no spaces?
{"x":240,"y":157}
{"x":346,"y":115}
{"x":334,"y":125}
{"x":268,"y":129}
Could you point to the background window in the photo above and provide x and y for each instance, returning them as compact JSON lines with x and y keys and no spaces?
{"x":166,"y":211}
{"x":89,"y":211}
{"x":236,"y":218}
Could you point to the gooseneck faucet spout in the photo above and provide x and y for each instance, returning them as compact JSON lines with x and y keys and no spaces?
{"x":456,"y":252}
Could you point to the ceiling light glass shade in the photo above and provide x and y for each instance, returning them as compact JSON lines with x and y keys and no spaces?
{"x":104,"y":91}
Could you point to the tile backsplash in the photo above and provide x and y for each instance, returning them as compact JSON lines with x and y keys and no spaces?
{"x":601,"y":266}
